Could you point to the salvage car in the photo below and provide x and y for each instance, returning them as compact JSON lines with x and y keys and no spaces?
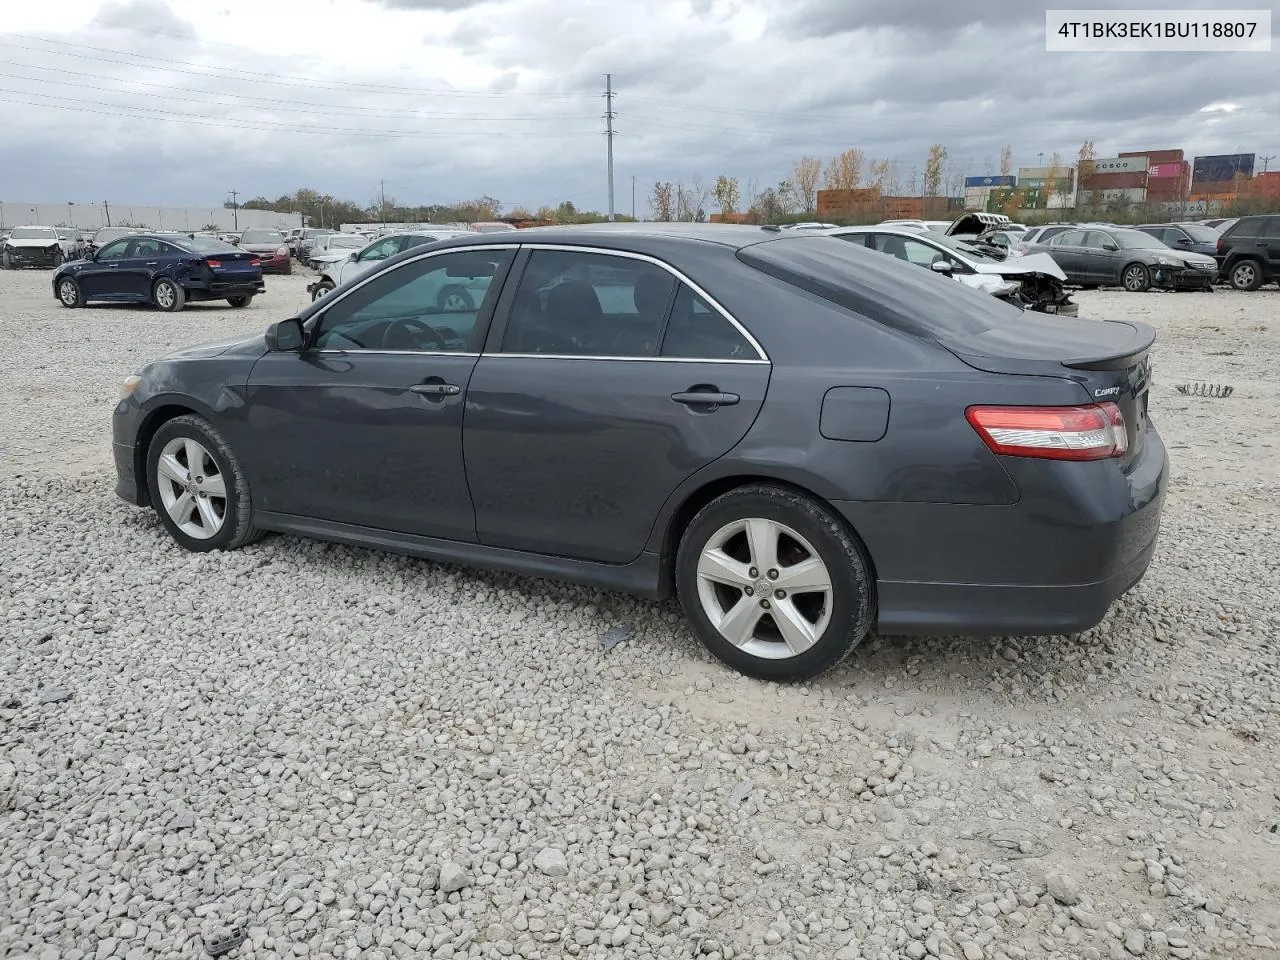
{"x":1248,"y":252}
{"x":270,"y":248}
{"x":802,"y":439}
{"x":334,"y":248}
{"x":385,"y":247}
{"x":1117,"y":256}
{"x":1032,"y":283}
{"x":974,"y":224}
{"x":36,"y":247}
{"x":168,"y":271}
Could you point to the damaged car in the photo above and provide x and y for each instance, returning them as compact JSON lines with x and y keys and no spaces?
{"x":1033,"y":282}
{"x":1120,"y":257}
{"x":36,"y":247}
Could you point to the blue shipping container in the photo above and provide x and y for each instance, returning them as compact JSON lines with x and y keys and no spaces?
{"x":1222,"y":168}
{"x":992,"y":181}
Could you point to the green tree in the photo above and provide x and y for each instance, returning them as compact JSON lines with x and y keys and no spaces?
{"x":727,"y":194}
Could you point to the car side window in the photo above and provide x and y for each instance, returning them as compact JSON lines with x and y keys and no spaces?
{"x":574,"y":303}
{"x":1068,"y":238}
{"x":698,"y":332}
{"x":1270,"y":227}
{"x":381,"y":251}
{"x":116,"y":250}
{"x":145,"y":248}
{"x":1095,"y":239}
{"x":859,"y":238}
{"x":427,"y":305}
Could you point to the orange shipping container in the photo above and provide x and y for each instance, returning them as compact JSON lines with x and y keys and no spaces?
{"x":1155,"y":156}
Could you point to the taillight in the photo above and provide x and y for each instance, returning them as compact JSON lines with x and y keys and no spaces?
{"x":255,"y":262}
{"x":1093,"y":432}
{"x":215,"y":264}
{"x":1222,"y":245}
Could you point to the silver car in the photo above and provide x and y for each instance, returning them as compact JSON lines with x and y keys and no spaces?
{"x":353,"y":265}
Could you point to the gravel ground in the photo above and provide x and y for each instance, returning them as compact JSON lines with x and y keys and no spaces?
{"x":350,"y":754}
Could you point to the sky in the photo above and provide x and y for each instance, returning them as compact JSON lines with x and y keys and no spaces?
{"x":179,"y":102}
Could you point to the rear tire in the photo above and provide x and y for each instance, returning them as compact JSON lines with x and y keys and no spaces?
{"x":1136,"y":278}
{"x":194,"y":451}
{"x":168,"y":296}
{"x":240,"y":302}
{"x":69,"y":293}
{"x":1246,"y":275}
{"x":796,"y":633}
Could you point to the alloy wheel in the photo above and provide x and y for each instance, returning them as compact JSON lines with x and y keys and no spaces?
{"x":164,"y":296}
{"x":67,"y":292}
{"x":764,"y":588}
{"x":192,"y":488}
{"x":1134,"y":278}
{"x":1243,"y":275}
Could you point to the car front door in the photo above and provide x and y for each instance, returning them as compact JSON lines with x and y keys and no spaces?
{"x":100,"y":277}
{"x":364,"y":424}
{"x":1103,"y":257}
{"x":608,"y":381}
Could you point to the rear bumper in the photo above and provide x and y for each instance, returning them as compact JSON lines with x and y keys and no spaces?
{"x":1052,"y":563}
{"x":220,"y":289}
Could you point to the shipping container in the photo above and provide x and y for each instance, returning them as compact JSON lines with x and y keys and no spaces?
{"x":1265,"y":184}
{"x":1114,"y":181}
{"x":1130,"y":195}
{"x":1168,"y":189}
{"x":1115,"y":165}
{"x":846,"y":203}
{"x":1219,"y":188}
{"x":1223,"y":167}
{"x":1156,"y":156}
{"x":990,"y":181}
{"x":1163,"y":171}
{"x":955,"y":204}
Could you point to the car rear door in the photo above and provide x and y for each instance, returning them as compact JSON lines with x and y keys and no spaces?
{"x":606,"y":382}
{"x":139,"y":265}
{"x":1269,"y":242}
{"x":1102,"y":264}
{"x":1067,"y":250}
{"x":364,"y":425}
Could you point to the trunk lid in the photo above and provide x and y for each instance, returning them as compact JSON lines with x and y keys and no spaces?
{"x":239,"y":263}
{"x":1108,"y":358}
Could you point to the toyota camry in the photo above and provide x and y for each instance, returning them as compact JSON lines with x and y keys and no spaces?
{"x":803,"y":439}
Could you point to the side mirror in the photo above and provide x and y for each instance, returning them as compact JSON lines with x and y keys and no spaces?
{"x":354,"y":256}
{"x":286,"y":336}
{"x":1184,"y":242}
{"x":1110,"y":247}
{"x":941,"y":266}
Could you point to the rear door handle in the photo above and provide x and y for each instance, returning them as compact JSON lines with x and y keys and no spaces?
{"x":436,"y":389}
{"x":151,"y":263}
{"x":708,"y":398}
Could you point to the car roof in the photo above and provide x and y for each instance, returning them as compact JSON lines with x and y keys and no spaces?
{"x":623,"y":236}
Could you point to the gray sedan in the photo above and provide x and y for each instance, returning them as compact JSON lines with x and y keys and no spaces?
{"x":1095,"y":256}
{"x":803,"y":439}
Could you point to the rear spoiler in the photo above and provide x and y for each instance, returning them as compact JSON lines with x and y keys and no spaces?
{"x":1144,"y":337}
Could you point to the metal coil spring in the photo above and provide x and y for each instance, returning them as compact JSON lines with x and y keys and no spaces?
{"x":1215,"y":391}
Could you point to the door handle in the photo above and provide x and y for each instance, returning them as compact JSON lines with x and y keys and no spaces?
{"x":708,"y":398}
{"x":436,"y":389}
{"x":151,"y":263}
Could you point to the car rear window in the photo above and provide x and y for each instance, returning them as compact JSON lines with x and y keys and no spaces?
{"x":205,"y":245}
{"x":883,"y":289}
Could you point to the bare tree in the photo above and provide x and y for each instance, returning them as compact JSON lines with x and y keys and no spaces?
{"x":844,"y":172}
{"x":697,"y":196}
{"x":879,"y":175}
{"x":662,"y":201}
{"x":1053,"y":181}
{"x":804,"y":180}
{"x":1006,"y":160}
{"x":787,"y":197}
{"x":727,"y":194}
{"x":933,"y":169}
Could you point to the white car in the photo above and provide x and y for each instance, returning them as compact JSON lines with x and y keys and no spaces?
{"x":353,"y":264}
{"x":331,"y":248}
{"x":38,"y":247}
{"x":1033,"y":282}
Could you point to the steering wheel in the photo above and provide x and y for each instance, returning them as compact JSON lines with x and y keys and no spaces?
{"x":412,"y":326}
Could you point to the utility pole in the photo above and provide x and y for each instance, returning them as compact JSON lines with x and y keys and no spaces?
{"x":382,"y":190}
{"x":1266,"y":161}
{"x":608,"y":132}
{"x":633,"y":196}
{"x":235,"y":210}
{"x":106,"y":207}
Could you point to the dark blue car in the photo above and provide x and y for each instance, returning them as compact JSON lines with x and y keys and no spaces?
{"x":168,"y":271}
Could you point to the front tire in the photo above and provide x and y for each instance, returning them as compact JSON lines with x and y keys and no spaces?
{"x":774,"y":584}
{"x":168,"y":296}
{"x":240,"y":302}
{"x":1246,"y":275}
{"x":58,"y":258}
{"x":1136,"y":278}
{"x":6,"y":261}
{"x":69,"y":293}
{"x":322,"y":289}
{"x":198,"y":487}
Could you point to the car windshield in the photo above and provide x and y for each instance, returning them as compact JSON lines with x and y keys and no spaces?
{"x":1200,"y":233}
{"x":309,"y":234}
{"x":347,"y":242}
{"x":32,"y":233}
{"x":205,"y":245}
{"x":262,"y":236}
{"x":884,"y":289}
{"x":107,"y":234}
{"x":1136,"y":240}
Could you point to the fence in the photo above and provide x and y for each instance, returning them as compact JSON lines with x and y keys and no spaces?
{"x":90,"y":216}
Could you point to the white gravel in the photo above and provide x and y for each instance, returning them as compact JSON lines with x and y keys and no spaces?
{"x":350,"y":754}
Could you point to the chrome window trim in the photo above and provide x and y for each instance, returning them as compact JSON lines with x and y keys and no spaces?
{"x":581,"y":356}
{"x":761,"y":356}
{"x":357,"y":351}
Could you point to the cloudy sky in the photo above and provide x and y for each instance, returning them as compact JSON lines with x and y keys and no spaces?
{"x":180,"y":101}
